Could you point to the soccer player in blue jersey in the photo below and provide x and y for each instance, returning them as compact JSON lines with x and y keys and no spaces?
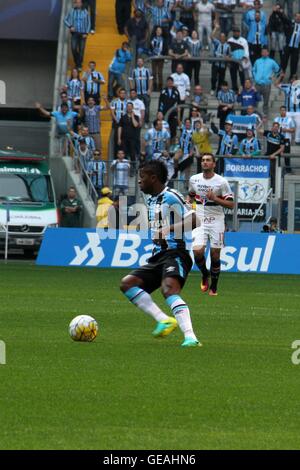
{"x":170,"y":263}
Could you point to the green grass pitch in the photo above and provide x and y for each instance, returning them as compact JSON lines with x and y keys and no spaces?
{"x":129,"y":391}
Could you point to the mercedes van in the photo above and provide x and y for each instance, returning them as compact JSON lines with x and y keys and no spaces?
{"x":27,"y":200}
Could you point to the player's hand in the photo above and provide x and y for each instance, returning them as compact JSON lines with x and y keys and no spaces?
{"x":210,"y":195}
{"x":160,"y":235}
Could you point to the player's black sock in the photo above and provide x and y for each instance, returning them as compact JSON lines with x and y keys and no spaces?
{"x":215,"y":273}
{"x":201,"y":263}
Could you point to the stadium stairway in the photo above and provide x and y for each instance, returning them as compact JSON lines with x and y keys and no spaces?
{"x":101,"y":47}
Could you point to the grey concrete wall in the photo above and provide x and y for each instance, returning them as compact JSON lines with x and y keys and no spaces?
{"x":64,"y":177}
{"x":28,"y":70}
{"x":26,"y":136}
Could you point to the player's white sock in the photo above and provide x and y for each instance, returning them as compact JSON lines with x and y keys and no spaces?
{"x":182,"y":314}
{"x":143,"y":300}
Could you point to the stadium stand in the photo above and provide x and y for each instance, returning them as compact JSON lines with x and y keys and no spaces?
{"x":241,"y":85}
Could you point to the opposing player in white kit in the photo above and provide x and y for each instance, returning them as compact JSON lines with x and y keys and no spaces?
{"x":212,"y":193}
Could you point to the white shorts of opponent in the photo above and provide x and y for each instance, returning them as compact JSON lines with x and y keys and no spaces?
{"x":212,"y":229}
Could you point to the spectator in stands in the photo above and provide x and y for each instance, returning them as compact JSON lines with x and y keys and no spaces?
{"x":64,"y":118}
{"x":198,"y":98}
{"x":257,"y":37}
{"x":114,"y":215}
{"x":118,"y":107}
{"x":83,"y":132}
{"x":226,"y":99}
{"x":226,"y":16}
{"x":137,"y":27}
{"x":228,"y":143}
{"x":185,"y":156}
{"x":169,"y":162}
{"x":277,"y":26}
{"x":104,"y":204}
{"x":248,"y":96}
{"x":142,"y":80}
{"x":138,"y":106}
{"x":156,"y":140}
{"x":194,"y":48}
{"x":91,"y":5}
{"x":250,"y":14}
{"x":220,"y":49}
{"x":187,"y":8}
{"x":275,"y":144}
{"x":93,"y":81}
{"x":273,"y":228}
{"x":117,"y":68}
{"x":287,"y":128}
{"x":79,"y":22}
{"x":239,"y":52}
{"x":83,"y":154}
{"x":176,"y":26}
{"x":157,"y":49}
{"x":289,"y":5}
{"x":140,"y":5}
{"x":165,"y":124}
{"x":293,"y":43}
{"x":65,"y":100}
{"x":203,"y":17}
{"x":129,"y":135}
{"x":201,"y":141}
{"x":90,"y":114}
{"x":183,"y":85}
{"x":170,"y":98}
{"x":139,"y":111}
{"x":120,"y":168}
{"x":160,"y":16}
{"x":292,"y":101}
{"x":250,"y":111}
{"x":250,"y":146}
{"x":178,"y":51}
{"x":201,"y":137}
{"x":123,"y":12}
{"x":263,"y":71}
{"x":75,"y":88}
{"x":71,"y":209}
{"x":96,"y":169}
{"x":195,"y":116}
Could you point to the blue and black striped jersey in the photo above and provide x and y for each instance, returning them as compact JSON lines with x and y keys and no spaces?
{"x":166,"y":209}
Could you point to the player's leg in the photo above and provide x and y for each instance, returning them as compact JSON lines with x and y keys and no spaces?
{"x":175,"y":272}
{"x":171,"y":289}
{"x":136,"y":287}
{"x":215,"y":269}
{"x":216,"y":235}
{"x":199,"y":245}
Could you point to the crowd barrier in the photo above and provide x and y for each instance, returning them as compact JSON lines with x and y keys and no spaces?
{"x":244,"y":252}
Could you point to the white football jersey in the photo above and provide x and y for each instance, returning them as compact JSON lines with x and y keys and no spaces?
{"x":200,"y":187}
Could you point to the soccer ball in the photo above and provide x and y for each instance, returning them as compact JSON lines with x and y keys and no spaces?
{"x":83,"y":328}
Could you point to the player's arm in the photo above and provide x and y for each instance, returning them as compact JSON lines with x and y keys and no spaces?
{"x":188,"y":223}
{"x":224,"y":202}
{"x":185,"y":219}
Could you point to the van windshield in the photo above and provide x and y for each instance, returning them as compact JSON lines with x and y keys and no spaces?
{"x":25,"y":188}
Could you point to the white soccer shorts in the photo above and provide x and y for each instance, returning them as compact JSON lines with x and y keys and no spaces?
{"x":211,"y":230}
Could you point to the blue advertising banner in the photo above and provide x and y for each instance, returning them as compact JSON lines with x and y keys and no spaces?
{"x":256,"y":253}
{"x":252,"y":174}
{"x":247,"y":168}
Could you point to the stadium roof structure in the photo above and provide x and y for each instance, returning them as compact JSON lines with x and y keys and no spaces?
{"x":14,"y":155}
